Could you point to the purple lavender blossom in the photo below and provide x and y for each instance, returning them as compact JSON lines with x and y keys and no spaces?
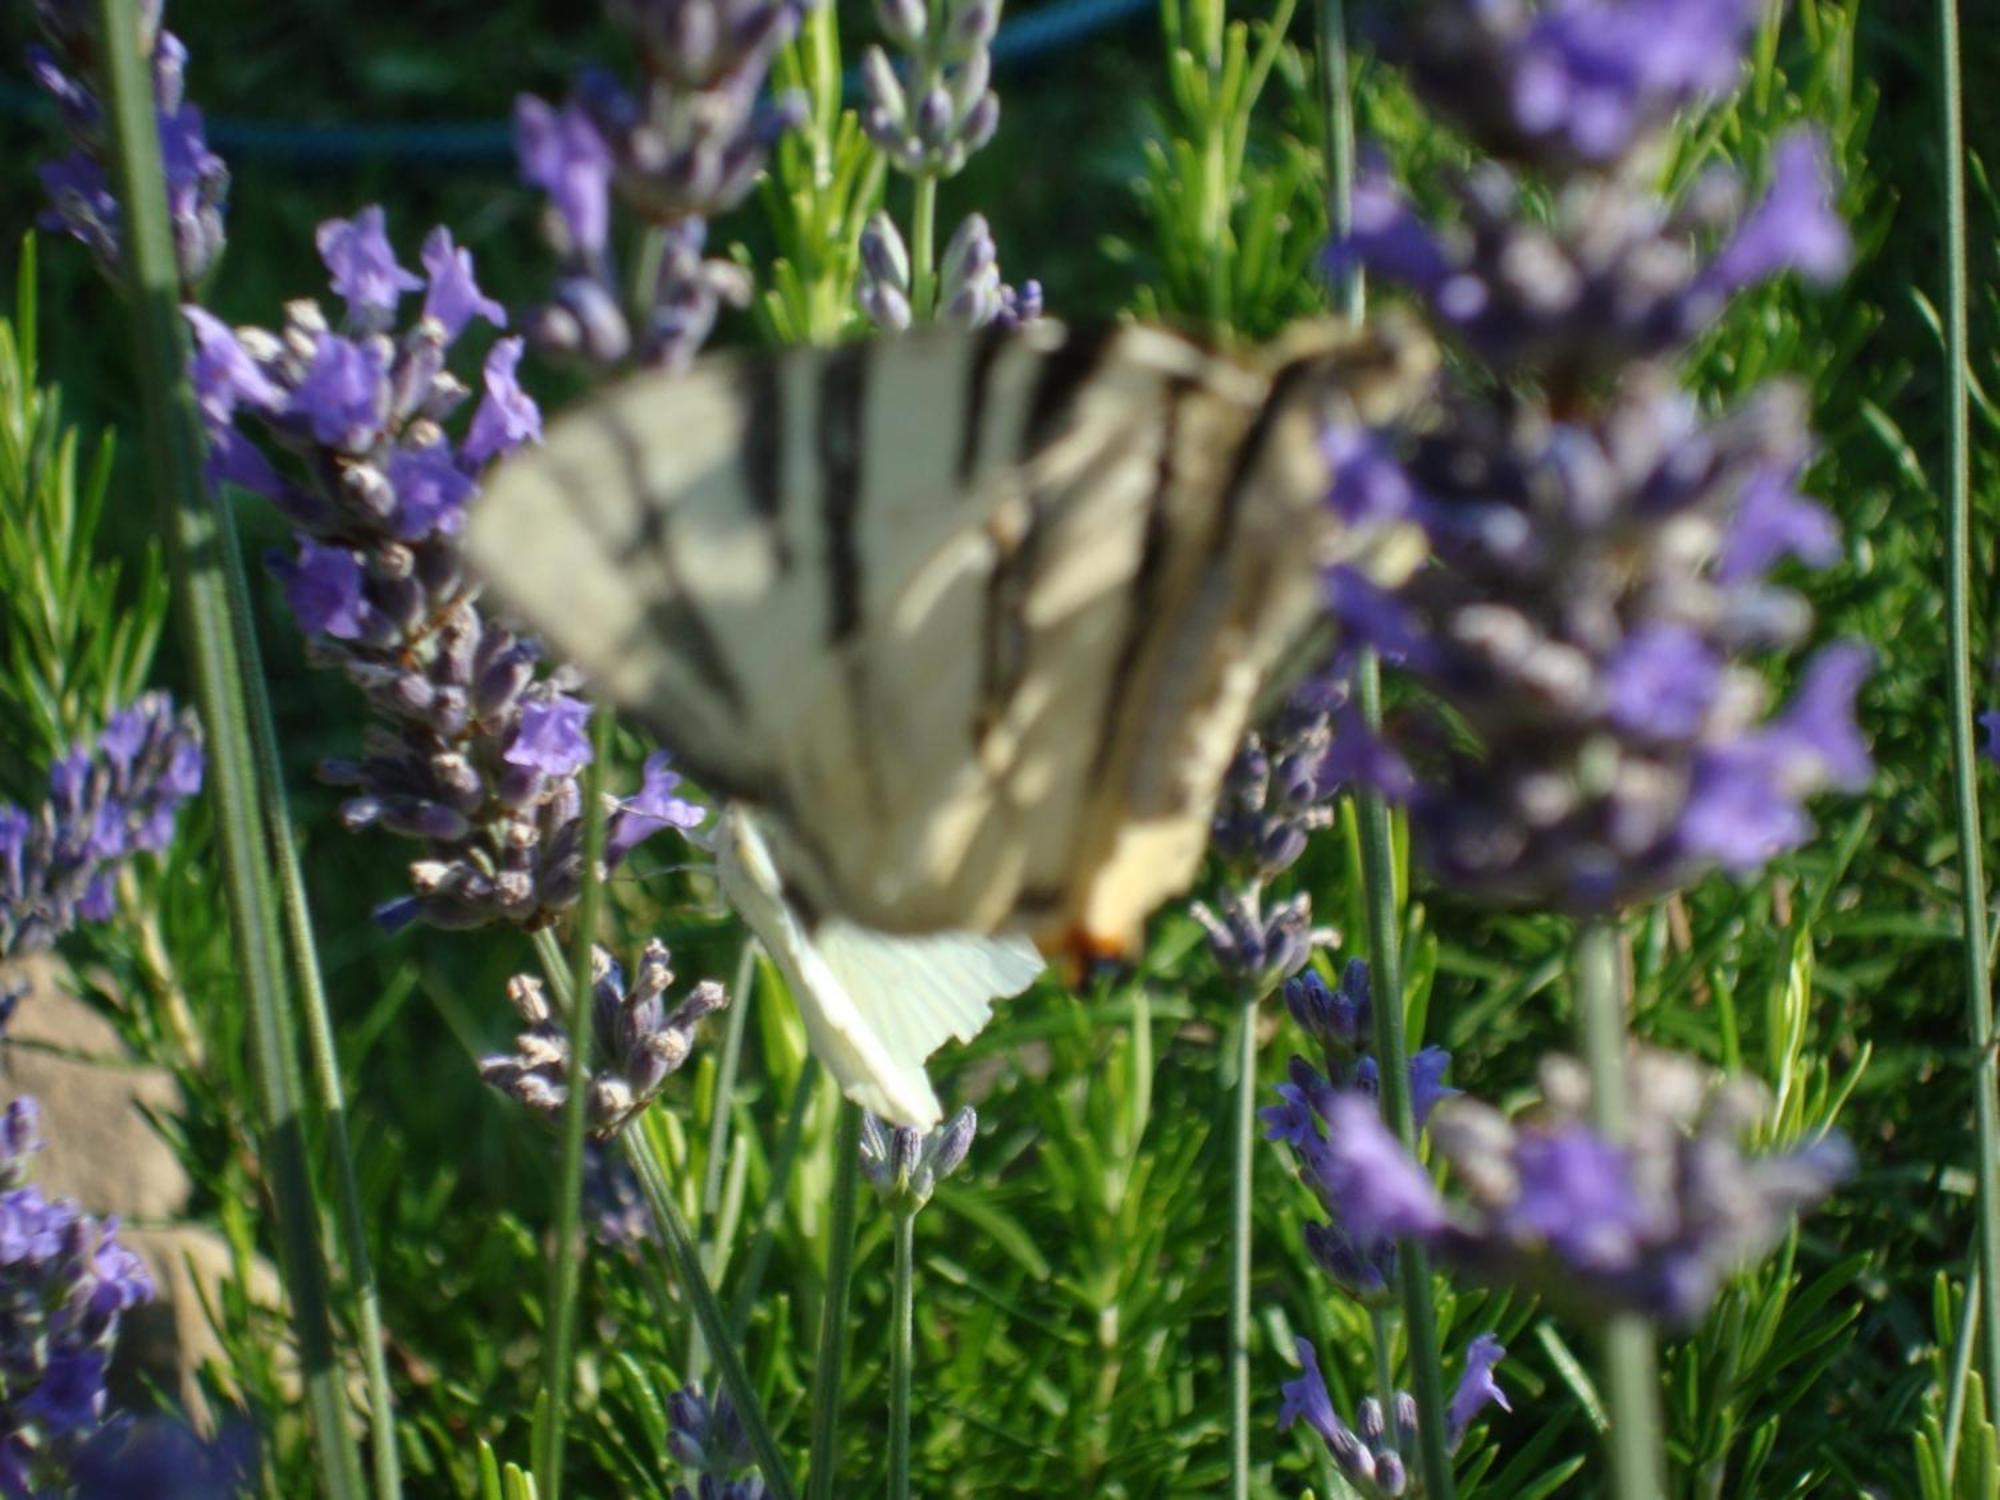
{"x":81,"y":203}
{"x":1338,"y":1018}
{"x":1366,"y":1453}
{"x":1652,"y":1225}
{"x":163,"y":1458}
{"x":59,"y":863}
{"x":684,"y":147}
{"x":637,"y":1043}
{"x":1612,"y":279}
{"x":65,"y":1282}
{"x":904,"y":1165}
{"x":706,"y":1436}
{"x":478,"y":741}
{"x":1573,"y":85}
{"x":1623,"y":747}
{"x":930,"y":122}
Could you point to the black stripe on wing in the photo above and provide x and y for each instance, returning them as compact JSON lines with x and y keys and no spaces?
{"x":1064,"y":371}
{"x":992,"y":341}
{"x":672,"y":619}
{"x":843,"y":407}
{"x":761,"y":449}
{"x":1142,"y":595}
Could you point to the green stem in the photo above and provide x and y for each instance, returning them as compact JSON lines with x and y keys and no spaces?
{"x":923,"y":250}
{"x":566,"y":1255}
{"x":1337,"y":105}
{"x":1961,"y":1378}
{"x":1382,"y":1324}
{"x":774,"y":1201}
{"x":1971,"y":873}
{"x":1242,"y":1170}
{"x":325,"y":1059}
{"x":1631,"y":1366}
{"x":902,"y":1334}
{"x":1385,"y":952}
{"x":716,"y":1160}
{"x":832,"y":1357}
{"x":198,"y":539}
{"x":673,"y":1227}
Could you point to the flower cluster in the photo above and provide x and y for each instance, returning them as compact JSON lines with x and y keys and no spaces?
{"x":59,"y":863}
{"x":636,"y":1041}
{"x":970,"y":291}
{"x":904,"y":1165}
{"x":1651,"y":1225}
{"x":64,"y":1283}
{"x":708,"y":1438}
{"x":478,"y":742}
{"x":614,"y":1205}
{"x":1598,"y":598}
{"x":1315,"y":1109}
{"x":1369,"y":1454}
{"x":1278,"y":790}
{"x":682,"y":148}
{"x":81,"y":202}
{"x":163,"y":1458}
{"x":1572,"y":83}
{"x":929,"y":124}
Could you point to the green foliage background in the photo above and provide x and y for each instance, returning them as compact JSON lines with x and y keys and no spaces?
{"x":1071,"y":1293}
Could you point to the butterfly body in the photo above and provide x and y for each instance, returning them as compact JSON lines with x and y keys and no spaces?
{"x":974,"y":620}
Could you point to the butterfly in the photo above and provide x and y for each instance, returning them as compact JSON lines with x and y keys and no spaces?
{"x":969,"y":623}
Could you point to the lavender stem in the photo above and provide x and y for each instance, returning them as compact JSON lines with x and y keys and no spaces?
{"x":1631,"y":1365}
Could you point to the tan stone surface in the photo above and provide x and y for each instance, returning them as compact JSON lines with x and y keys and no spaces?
{"x":101,"y":1149}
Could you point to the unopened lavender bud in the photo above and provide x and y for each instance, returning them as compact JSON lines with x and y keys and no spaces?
{"x":888,"y":108}
{"x":980,"y":124}
{"x":954,"y":1142}
{"x":1391,"y":1478}
{"x":883,"y":253}
{"x":906,"y":1146}
{"x":968,"y":87}
{"x":1406,"y":1419}
{"x":368,"y":490}
{"x":904,"y":22}
{"x":530,"y":999}
{"x":1370,"y":1422}
{"x":935,"y":117}
{"x":973,"y":26}
{"x":886,"y":307}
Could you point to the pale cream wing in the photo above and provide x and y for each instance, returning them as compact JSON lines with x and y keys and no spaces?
{"x":974,"y":618}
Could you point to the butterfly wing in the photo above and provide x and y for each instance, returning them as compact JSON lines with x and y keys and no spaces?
{"x":875,"y":1005}
{"x":975,"y":619}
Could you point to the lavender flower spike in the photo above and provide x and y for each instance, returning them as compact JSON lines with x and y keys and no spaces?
{"x":81,"y":202}
{"x":1367,"y":1453}
{"x":477,"y":741}
{"x":637,"y":1043}
{"x":904,"y":1165}
{"x":65,"y":1283}
{"x":58,"y":863}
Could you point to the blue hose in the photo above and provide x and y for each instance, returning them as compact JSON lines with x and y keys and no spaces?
{"x":489,"y":143}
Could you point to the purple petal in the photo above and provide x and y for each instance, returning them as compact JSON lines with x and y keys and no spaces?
{"x":562,"y":154}
{"x":1773,"y":521}
{"x":552,"y":736}
{"x":507,"y":415}
{"x":1795,"y":228}
{"x":1477,"y":1388}
{"x":324,"y":590}
{"x":1371,"y":1182}
{"x":1661,"y":681}
{"x":363,"y":265}
{"x":454,"y":298}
